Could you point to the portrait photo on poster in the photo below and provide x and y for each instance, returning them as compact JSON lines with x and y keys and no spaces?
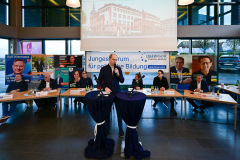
{"x":74,"y":76}
{"x":206,"y":66}
{"x":17,"y":64}
{"x":65,"y":61}
{"x":181,"y":69}
{"x":42,"y":64}
{"x":62,"y":77}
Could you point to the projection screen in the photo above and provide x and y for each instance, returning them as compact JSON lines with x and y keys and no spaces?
{"x":129,"y":25}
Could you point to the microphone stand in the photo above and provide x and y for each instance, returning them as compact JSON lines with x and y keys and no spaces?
{"x":99,"y":84}
{"x":131,"y":92}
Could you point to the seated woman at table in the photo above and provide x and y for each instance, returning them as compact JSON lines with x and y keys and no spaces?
{"x":136,"y":83}
{"x":17,"y":86}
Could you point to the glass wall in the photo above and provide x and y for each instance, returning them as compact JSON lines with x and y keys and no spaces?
{"x":4,"y":49}
{"x":4,"y":12}
{"x":49,"y":13}
{"x":203,"y":46}
{"x":229,"y":61}
{"x":210,"y":12}
{"x":202,"y":15}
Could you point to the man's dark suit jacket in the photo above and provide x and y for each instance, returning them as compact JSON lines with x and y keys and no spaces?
{"x":111,"y":80}
{"x":60,"y":81}
{"x":204,"y":86}
{"x":174,"y":70}
{"x":53,"y":84}
{"x":39,"y":66}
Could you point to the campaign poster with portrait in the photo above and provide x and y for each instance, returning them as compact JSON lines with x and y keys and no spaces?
{"x":42,"y":64}
{"x":62,"y":77}
{"x":67,"y":61}
{"x":181,"y":69}
{"x":205,"y":65}
{"x":17,"y":64}
{"x":74,"y":76}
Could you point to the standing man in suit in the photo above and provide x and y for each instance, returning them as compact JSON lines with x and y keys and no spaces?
{"x":46,"y":85}
{"x":59,"y":80}
{"x":198,"y":85}
{"x":39,"y":65}
{"x":180,"y":74}
{"x":112,"y":75}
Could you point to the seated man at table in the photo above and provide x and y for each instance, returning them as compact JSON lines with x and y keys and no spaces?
{"x":198,"y":85}
{"x":46,"y":85}
{"x":83,"y":83}
{"x":136,"y":83}
{"x":17,"y":86}
{"x":161,"y":82}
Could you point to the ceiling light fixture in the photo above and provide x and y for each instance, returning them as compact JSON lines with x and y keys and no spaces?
{"x":73,"y":3}
{"x":185,"y":2}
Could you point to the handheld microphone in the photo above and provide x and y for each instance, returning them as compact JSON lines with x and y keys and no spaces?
{"x":140,"y":78}
{"x":115,"y":66}
{"x":95,"y":78}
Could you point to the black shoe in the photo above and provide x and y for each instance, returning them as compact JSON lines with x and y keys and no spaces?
{"x":155,"y":104}
{"x":38,"y":110}
{"x":121,"y":133}
{"x":173,"y":111}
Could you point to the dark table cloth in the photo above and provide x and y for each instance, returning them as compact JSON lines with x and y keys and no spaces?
{"x":100,"y":147}
{"x":131,"y":110}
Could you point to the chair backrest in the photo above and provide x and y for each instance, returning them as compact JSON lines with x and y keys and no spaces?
{"x":182,"y":87}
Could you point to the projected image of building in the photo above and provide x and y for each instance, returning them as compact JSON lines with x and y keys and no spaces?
{"x":118,"y":20}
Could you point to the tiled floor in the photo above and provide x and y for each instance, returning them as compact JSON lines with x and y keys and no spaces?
{"x":203,"y":136}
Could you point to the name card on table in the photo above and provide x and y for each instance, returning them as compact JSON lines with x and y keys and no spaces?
{"x":207,"y":95}
{"x":54,"y":90}
{"x":168,"y":92}
{"x":81,"y":89}
{"x":75,"y":91}
{"x":6,"y":96}
{"x":41,"y":93}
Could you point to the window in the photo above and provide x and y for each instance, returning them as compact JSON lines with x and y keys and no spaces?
{"x":75,"y":17}
{"x":210,"y":12}
{"x":55,"y":47}
{"x":4,"y":12}
{"x":202,"y":15}
{"x":182,"y":14}
{"x":4,"y":43}
{"x":203,"y":46}
{"x":183,"y":47}
{"x":229,"y":61}
{"x":46,"y":13}
{"x":229,"y":14}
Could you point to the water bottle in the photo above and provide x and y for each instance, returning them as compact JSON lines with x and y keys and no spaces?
{"x":35,"y":91}
{"x":31,"y":91}
{"x":222,"y":84}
